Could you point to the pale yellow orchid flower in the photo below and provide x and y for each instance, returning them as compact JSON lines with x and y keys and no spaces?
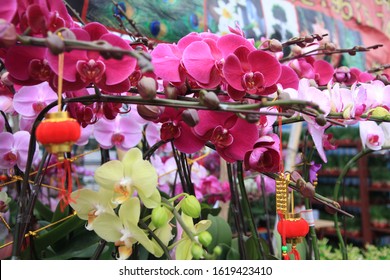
{"x":132,"y":174}
{"x":123,"y":229}
{"x":89,"y":204}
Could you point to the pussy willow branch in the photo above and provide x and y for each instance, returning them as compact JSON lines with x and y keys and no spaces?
{"x":129,"y":20}
{"x":324,"y":51}
{"x":74,"y":12}
{"x":100,"y":46}
{"x":317,"y":197}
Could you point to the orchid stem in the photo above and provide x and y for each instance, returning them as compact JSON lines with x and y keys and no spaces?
{"x":158,"y":240}
{"x":247,"y":210}
{"x":235,"y":205}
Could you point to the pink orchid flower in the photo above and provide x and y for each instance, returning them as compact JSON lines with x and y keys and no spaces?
{"x":265,"y":156}
{"x":372,"y":135}
{"x":348,"y":76}
{"x":378,"y":94}
{"x":350,"y":101}
{"x":175,"y":129}
{"x":224,"y":130}
{"x":166,"y":59}
{"x":212,"y":190}
{"x":14,"y":149}
{"x":2,"y":123}
{"x":27,"y":65}
{"x":29,"y":101}
{"x":269,"y":184}
{"x":252,"y":71}
{"x":84,"y":67}
{"x":308,"y":67}
{"x":313,"y":94}
{"x":43,"y":15}
{"x":123,"y":132}
{"x":6,"y":103}
{"x":8,"y":10}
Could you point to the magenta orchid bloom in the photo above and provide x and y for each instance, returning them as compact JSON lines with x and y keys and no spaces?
{"x":175,"y":129}
{"x":84,"y":67}
{"x":166,"y":59}
{"x":265,"y":156}
{"x":269,"y":184}
{"x":252,"y":71}
{"x":8,"y":10}
{"x":29,"y":101}
{"x":43,"y":15}
{"x":27,"y":65}
{"x":313,"y":170}
{"x":348,"y":76}
{"x":212,"y":190}
{"x":319,"y":70}
{"x":14,"y":149}
{"x":372,"y":135}
{"x":224,"y":130}
{"x":123,"y":132}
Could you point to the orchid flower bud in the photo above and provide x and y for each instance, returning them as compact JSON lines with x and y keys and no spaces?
{"x":160,"y":216}
{"x":147,"y":88}
{"x":190,"y":117}
{"x":191,"y":206}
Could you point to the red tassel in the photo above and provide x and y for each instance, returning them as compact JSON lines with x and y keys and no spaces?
{"x":65,"y":175}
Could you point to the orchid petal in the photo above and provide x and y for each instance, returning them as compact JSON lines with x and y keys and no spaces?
{"x":230,"y":42}
{"x":233,"y":72}
{"x":109,"y":173}
{"x":317,"y":134}
{"x":152,"y":201}
{"x":266,"y":64}
{"x":198,"y":61}
{"x":130,"y":160}
{"x":183,"y":250}
{"x":144,"y":178}
{"x":130,"y":211}
{"x":82,"y":201}
{"x":108,"y":227}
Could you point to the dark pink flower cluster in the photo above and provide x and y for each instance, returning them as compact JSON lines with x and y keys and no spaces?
{"x":231,"y":61}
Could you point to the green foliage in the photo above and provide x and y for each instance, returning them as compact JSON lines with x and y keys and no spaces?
{"x":371,"y":252}
{"x":221,"y":233}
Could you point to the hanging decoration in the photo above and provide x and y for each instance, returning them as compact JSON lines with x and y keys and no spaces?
{"x":291,"y":226}
{"x":57,"y":133}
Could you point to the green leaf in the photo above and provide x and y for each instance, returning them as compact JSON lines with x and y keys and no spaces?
{"x":81,"y":247}
{"x":220,"y":230}
{"x":43,"y":212}
{"x":57,"y":233}
{"x":208,"y":210}
{"x":251,"y":245}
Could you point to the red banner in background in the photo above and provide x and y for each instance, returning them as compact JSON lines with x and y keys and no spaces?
{"x":349,"y":23}
{"x":370,"y":18}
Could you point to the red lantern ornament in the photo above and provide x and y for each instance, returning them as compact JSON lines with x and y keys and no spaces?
{"x":291,"y":226}
{"x":58,"y":132}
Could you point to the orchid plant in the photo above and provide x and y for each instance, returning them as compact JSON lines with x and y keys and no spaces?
{"x":194,"y":123}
